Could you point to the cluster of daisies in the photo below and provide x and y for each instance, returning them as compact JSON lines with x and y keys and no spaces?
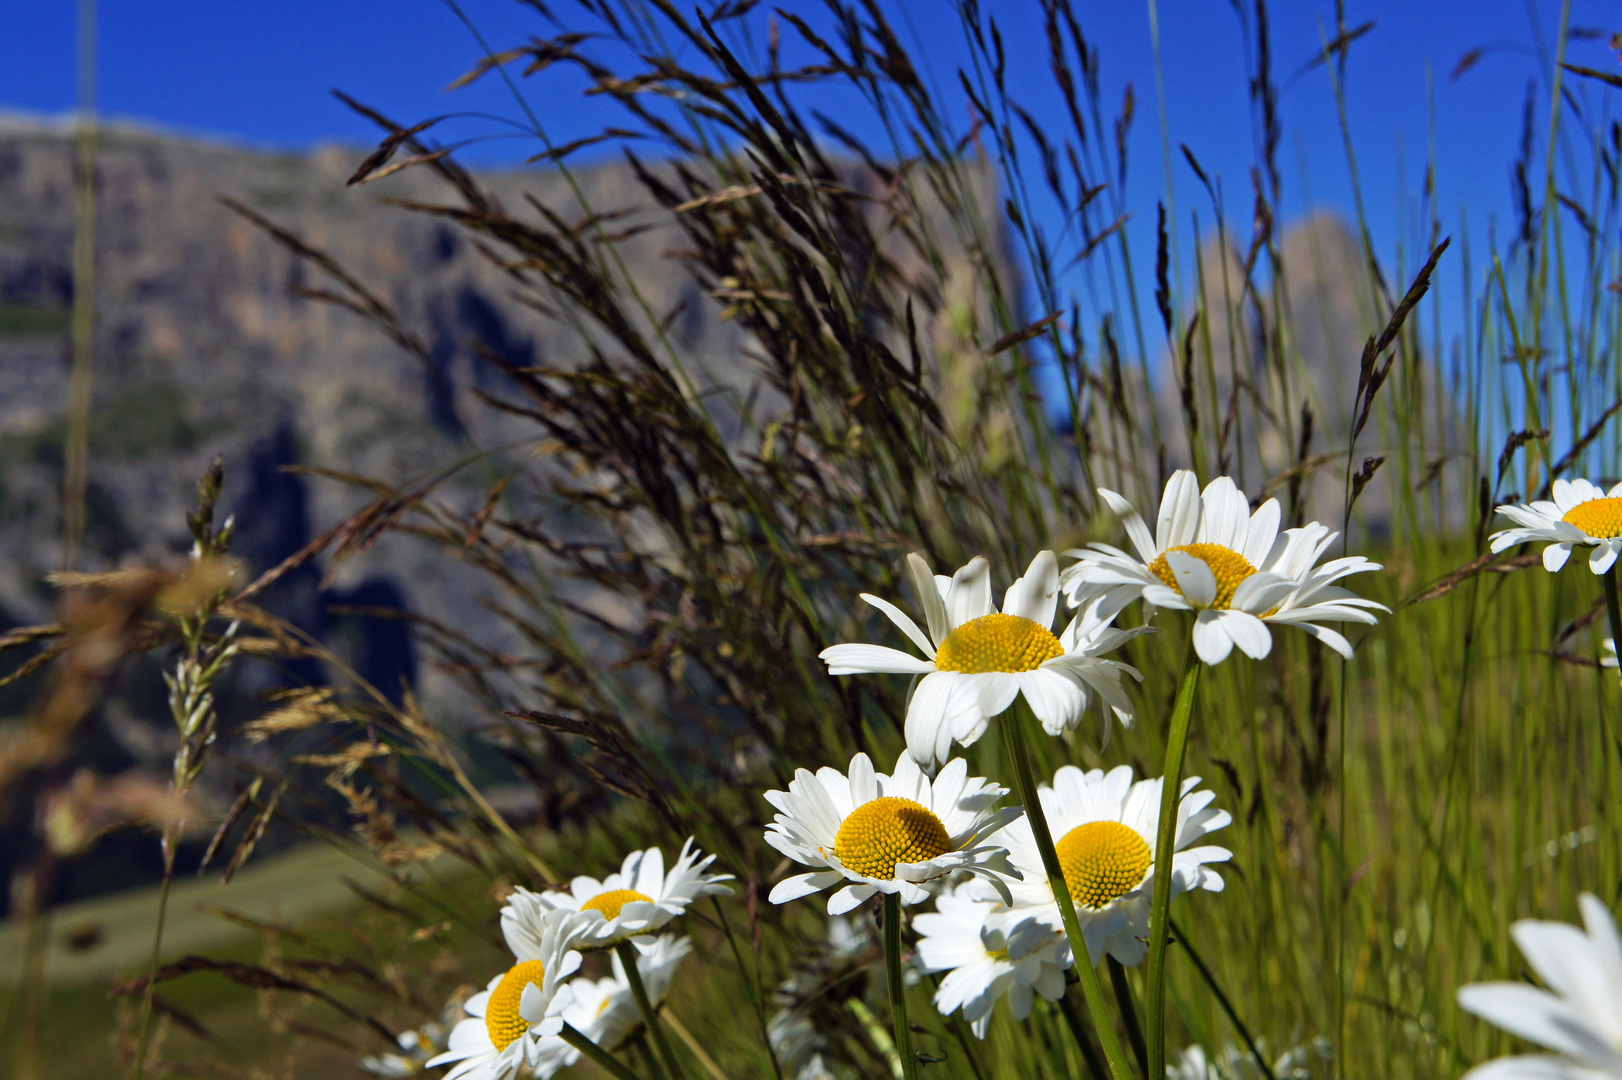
{"x":996,"y":930}
{"x":520,"y":1024}
{"x":930,"y":831}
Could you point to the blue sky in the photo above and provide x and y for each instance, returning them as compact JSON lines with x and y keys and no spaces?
{"x":261,"y":74}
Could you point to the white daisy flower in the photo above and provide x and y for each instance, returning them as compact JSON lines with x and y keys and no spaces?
{"x":1581,"y":1019}
{"x":1581,"y":513}
{"x":1234,"y":1063}
{"x":977,"y":660}
{"x":989,"y":952}
{"x":416,"y":1047}
{"x":799,"y":1046}
{"x":640,"y":899}
{"x":889,"y":834}
{"x":1211,"y":555}
{"x":605,"y":1011}
{"x":1104,"y":827}
{"x":510,"y":1022}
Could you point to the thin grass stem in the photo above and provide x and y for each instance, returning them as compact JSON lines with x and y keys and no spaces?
{"x":898,"y":986}
{"x":600,"y":1057}
{"x":157,"y":948}
{"x":1171,"y":784}
{"x":1096,"y":1067}
{"x":1129,"y":1012}
{"x":650,"y":1016}
{"x":696,"y":1047}
{"x":1227,"y":1005}
{"x":645,"y":1054}
{"x":1013,"y":732}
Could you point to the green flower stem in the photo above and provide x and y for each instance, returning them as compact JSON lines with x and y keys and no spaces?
{"x":650,"y":1017}
{"x":604,"y":1060}
{"x":1013,"y":734}
{"x":1613,"y":607}
{"x":1171,"y":790}
{"x":898,"y":986}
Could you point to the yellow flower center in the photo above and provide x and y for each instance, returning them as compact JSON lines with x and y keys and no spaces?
{"x":997,"y":643}
{"x":886,"y":831}
{"x":1601,"y":518}
{"x":501,"y":1017}
{"x":1102,"y":861}
{"x":611,"y":902}
{"x":1227,"y":566}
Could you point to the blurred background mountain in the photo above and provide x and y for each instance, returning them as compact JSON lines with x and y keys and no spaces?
{"x":205,"y":346}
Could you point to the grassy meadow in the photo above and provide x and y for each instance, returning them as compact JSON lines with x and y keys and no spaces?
{"x":668,"y":551}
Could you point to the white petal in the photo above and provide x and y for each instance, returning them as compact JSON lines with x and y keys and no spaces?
{"x":1604,"y":940}
{"x":1036,"y":595}
{"x":531,"y":1003}
{"x":928,"y":713}
{"x":1603,"y":556}
{"x":1194,"y":578}
{"x":1540,"y":1017}
{"x":850,"y":898}
{"x":1555,"y":556}
{"x":1224,"y":513}
{"x":1136,"y":530}
{"x":1332,"y":638}
{"x":942,"y":795}
{"x":997,"y":691}
{"x":1248,"y":632}
{"x":1211,"y":640}
{"x":1263,"y":531}
{"x":929,"y":596}
{"x":1179,"y":520}
{"x":904,"y":622}
{"x":1564,"y":497}
{"x":1055,"y":699}
{"x":1262,"y":592}
{"x":1531,"y":1068}
{"x":803,"y":885}
{"x":860,"y":659}
{"x":970,"y":594}
{"x":864,"y":787}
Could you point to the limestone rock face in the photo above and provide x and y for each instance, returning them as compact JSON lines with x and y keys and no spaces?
{"x":1294,"y":342}
{"x":204,"y":347}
